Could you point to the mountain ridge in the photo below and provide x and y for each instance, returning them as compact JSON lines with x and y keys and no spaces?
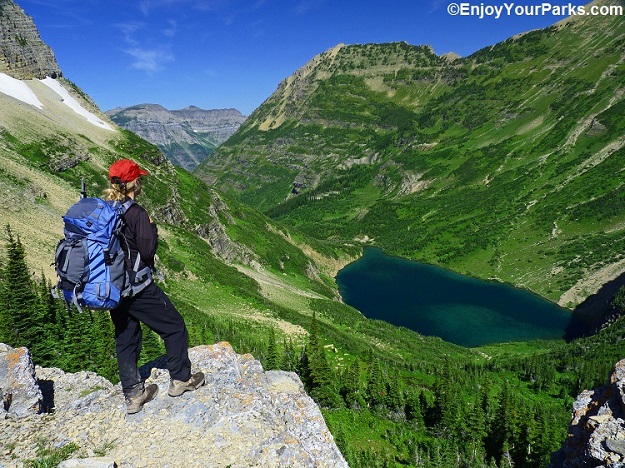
{"x":376,"y":141}
{"x":186,"y":136}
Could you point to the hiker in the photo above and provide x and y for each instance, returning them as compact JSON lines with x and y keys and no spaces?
{"x":150,"y":304}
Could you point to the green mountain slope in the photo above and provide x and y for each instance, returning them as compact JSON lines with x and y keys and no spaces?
{"x":505,"y":164}
{"x":390,"y":396}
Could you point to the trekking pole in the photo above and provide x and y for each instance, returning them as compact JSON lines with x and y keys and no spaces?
{"x":83,"y":189}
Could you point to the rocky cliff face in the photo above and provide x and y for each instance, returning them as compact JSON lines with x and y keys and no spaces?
{"x":186,"y":136}
{"x":23,"y":55}
{"x":597,"y":431}
{"x":242,"y":417}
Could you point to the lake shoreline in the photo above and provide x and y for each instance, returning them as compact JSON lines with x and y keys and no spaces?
{"x":435,"y":301}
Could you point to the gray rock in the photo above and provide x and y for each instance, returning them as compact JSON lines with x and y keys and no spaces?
{"x":243,"y":416}
{"x":597,"y":430}
{"x":21,"y":396}
{"x":617,"y":446}
{"x":23,"y":55}
{"x":96,"y":462}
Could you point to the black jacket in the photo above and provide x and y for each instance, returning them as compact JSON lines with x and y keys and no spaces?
{"x":140,"y":236}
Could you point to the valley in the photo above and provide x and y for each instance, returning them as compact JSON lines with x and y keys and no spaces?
{"x":506,"y":164}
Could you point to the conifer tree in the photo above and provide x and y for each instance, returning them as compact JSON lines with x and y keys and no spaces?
{"x":303,"y":368}
{"x":272,"y":351}
{"x":321,"y":379}
{"x":51,"y":346}
{"x":351,"y":389}
{"x":22,"y":317}
{"x":104,"y":356}
{"x":289,"y":358}
{"x":152,"y":346}
{"x":376,"y":385}
{"x":323,"y":382}
{"x":501,"y":436}
{"x":413,"y":408}
{"x":395,"y":398}
{"x":77,"y":346}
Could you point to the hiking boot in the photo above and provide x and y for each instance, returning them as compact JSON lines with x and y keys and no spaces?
{"x":178,"y":387}
{"x":135,"y":403}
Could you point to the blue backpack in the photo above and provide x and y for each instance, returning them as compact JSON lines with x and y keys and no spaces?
{"x":90,"y":261}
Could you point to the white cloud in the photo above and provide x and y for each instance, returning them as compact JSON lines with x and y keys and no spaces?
{"x":147,"y":6}
{"x":436,"y":5}
{"x":149,"y":60}
{"x":172,"y":30}
{"x":128,"y":30}
{"x":304,"y":6}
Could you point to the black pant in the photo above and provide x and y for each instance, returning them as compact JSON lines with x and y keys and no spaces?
{"x":152,"y":307}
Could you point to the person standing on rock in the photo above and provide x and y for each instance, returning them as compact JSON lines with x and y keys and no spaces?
{"x":149,"y":304}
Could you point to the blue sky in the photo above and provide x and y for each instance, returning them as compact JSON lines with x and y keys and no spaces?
{"x":233,"y":53}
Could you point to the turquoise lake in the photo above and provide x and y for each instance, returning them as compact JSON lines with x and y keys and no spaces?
{"x":436,"y":302}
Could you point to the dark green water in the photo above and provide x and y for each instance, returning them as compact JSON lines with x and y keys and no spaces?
{"x":436,"y":302}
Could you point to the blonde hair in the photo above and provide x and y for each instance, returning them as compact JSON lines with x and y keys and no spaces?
{"x":119,"y":191}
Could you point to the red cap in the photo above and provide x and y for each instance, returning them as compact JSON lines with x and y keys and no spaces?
{"x":126,"y":170}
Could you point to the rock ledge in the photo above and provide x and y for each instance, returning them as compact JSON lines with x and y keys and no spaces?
{"x":597,"y":431}
{"x":243,"y":417}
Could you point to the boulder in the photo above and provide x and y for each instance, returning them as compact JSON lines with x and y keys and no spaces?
{"x":20,"y":393}
{"x":596,"y":434}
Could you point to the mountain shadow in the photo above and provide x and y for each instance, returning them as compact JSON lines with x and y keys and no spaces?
{"x":596,"y":311}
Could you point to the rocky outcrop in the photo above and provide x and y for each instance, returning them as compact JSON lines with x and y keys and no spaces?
{"x":186,"y":136}
{"x":23,"y":55}
{"x":242,"y":417}
{"x":215,"y":233}
{"x":597,"y":432}
{"x":20,"y":393}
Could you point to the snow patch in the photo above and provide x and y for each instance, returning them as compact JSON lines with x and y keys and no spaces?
{"x":19,"y":90}
{"x":70,"y":102}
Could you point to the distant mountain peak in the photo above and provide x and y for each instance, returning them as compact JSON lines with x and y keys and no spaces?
{"x":186,"y":136}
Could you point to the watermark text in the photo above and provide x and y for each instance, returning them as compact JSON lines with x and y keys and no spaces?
{"x":483,"y":10}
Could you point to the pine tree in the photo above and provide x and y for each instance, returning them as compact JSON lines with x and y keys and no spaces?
{"x":77,"y":346}
{"x":413,"y":408}
{"x":303,"y":369}
{"x":376,"y":385}
{"x":395,"y":398}
{"x":500,"y":436}
{"x":289,"y":358}
{"x":22,"y":314}
{"x":103,"y":354}
{"x":351,"y":389}
{"x":272,"y":351}
{"x":152,"y":346}
{"x":322,"y":380}
{"x":51,"y":346}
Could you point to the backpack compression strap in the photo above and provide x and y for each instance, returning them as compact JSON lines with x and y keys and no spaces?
{"x":142,"y":280}
{"x":143,"y":277}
